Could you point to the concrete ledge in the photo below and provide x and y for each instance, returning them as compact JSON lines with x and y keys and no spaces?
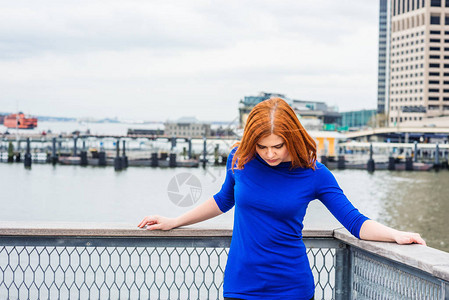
{"x":429,"y":260}
{"x":125,"y":230}
{"x":103,"y":230}
{"x":441,"y":272}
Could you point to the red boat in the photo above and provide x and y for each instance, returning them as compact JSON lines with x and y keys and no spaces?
{"x":19,"y":121}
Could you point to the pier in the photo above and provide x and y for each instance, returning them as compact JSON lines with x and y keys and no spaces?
{"x":397,"y":134}
{"x":81,"y":260}
{"x":183,"y":151}
{"x":114,"y":150}
{"x":373,"y":156}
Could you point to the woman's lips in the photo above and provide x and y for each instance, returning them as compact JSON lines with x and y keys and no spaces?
{"x":272,"y":161}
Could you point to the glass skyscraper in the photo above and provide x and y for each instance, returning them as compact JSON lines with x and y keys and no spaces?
{"x":382,"y":75}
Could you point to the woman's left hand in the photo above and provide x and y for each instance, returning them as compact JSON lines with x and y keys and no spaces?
{"x":373,"y":231}
{"x":403,"y":237}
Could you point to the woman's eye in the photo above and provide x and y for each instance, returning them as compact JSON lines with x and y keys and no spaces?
{"x":279,"y":147}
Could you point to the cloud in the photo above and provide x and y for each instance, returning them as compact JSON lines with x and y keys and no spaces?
{"x":72,"y":26}
{"x":114,"y":56}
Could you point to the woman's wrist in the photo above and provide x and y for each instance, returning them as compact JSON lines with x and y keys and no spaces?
{"x":176,"y":222}
{"x":397,"y":235}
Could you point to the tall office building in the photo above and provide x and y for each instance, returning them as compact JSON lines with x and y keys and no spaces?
{"x":383,"y":56}
{"x":419,"y":61}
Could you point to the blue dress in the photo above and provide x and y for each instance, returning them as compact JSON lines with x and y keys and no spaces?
{"x":267,"y":258}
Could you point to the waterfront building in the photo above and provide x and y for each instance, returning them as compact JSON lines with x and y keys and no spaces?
{"x":139,"y":131}
{"x":188,"y":127}
{"x":314,"y":115}
{"x":419,"y":62}
{"x":382,"y":75}
{"x":358,"y":118}
{"x":223,"y":131}
{"x":248,"y":102}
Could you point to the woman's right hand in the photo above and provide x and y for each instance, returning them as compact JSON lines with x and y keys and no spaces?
{"x":204,"y":211}
{"x":157,"y":222}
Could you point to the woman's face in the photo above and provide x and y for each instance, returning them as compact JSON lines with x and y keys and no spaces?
{"x":272,"y":149}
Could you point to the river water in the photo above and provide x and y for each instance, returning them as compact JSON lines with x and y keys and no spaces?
{"x":412,"y":201}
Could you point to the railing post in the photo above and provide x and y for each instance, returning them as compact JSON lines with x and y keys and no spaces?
{"x":445,"y":289}
{"x":343,"y":281}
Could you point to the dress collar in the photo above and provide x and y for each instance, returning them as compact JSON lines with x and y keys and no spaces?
{"x":282,"y":165}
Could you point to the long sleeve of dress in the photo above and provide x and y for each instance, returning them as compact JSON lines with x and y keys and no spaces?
{"x":225,"y":197}
{"x":331,"y":195}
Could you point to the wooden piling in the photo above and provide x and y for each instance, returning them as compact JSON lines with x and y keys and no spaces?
{"x":341,"y":162}
{"x":118,"y":160}
{"x":371,"y":165}
{"x":154,"y":160}
{"x":172,"y":160}
{"x":391,"y":163}
{"x":54,"y":157}
{"x":124,"y":157}
{"x":408,"y":163}
{"x":27,"y":160}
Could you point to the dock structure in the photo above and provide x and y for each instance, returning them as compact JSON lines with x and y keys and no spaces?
{"x":105,"y":261}
{"x":105,"y":150}
{"x":101,"y":150}
{"x":394,"y":156}
{"x":397,"y":134}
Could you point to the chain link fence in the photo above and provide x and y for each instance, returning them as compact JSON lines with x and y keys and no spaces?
{"x":115,"y":269}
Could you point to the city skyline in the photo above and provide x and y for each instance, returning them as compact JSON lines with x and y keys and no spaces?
{"x":157,"y":61}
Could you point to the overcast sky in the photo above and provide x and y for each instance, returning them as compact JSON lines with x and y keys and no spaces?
{"x":158,"y":60}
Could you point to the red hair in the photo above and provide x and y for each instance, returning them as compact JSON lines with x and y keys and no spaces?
{"x":275,"y":116}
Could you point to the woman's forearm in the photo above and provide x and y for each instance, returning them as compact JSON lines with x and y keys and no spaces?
{"x":374,"y":231}
{"x":205,"y":211}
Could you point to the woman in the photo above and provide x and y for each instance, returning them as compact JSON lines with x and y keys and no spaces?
{"x":272,"y":175}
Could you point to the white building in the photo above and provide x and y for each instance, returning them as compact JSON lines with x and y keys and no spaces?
{"x":419,"y":62}
{"x":187,"y":127}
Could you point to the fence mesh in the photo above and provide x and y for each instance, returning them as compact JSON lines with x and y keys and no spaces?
{"x":53,"y":272}
{"x":374,"y":278}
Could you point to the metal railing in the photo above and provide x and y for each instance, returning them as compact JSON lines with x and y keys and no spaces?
{"x":126,"y":263}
